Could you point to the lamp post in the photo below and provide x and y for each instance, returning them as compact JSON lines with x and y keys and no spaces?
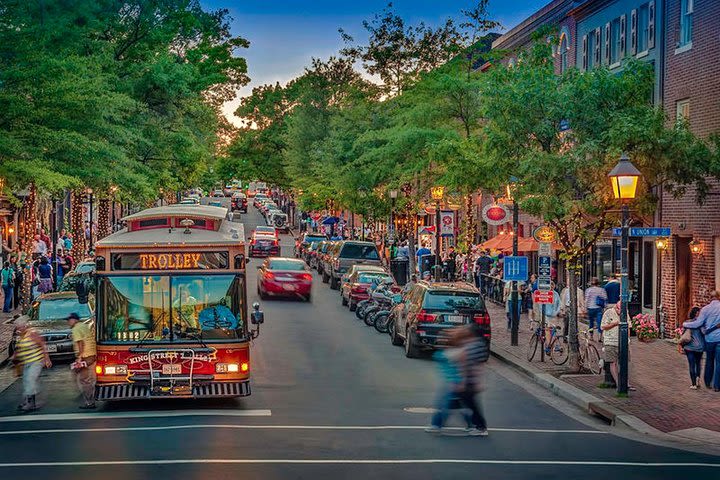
{"x":514,"y":300}
{"x":90,"y":226}
{"x":362,"y":193}
{"x":437,"y":194}
{"x":393,"y":196}
{"x":624,"y":179}
{"x":113,"y":189}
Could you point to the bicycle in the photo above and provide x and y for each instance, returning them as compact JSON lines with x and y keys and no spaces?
{"x":556,"y":348}
{"x":589,"y":356}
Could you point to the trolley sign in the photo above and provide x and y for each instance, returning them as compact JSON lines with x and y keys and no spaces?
{"x":540,"y":297}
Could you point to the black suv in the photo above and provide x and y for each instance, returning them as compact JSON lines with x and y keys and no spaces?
{"x":348,"y":253}
{"x":428,"y":309}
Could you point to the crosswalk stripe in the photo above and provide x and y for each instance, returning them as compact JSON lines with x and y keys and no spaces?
{"x":121,"y":415}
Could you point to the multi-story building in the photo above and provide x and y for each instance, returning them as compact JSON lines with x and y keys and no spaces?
{"x":691,"y":92}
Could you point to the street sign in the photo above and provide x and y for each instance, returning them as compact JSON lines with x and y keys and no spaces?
{"x":544,"y":282}
{"x":515,"y":269}
{"x":545,"y":249}
{"x":644,"y":232}
{"x":541,"y":297}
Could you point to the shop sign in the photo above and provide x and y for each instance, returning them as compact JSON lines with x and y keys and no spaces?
{"x":496,"y":214}
{"x":544,"y":233}
{"x":447,"y":223}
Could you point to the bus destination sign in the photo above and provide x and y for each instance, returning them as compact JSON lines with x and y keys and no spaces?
{"x":171,"y":261}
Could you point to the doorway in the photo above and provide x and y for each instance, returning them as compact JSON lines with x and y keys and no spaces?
{"x":683,"y":274}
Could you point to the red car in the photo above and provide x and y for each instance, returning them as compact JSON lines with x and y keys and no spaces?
{"x":239,"y":202}
{"x":284,"y":277}
{"x":263,"y":245}
{"x":357,"y":286}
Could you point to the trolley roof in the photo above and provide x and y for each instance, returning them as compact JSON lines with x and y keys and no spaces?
{"x":229,"y":233}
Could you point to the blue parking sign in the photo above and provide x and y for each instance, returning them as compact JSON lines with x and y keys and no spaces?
{"x":515,"y":269}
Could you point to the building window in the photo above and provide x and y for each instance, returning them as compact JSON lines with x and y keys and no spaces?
{"x":563,"y":53}
{"x":686,"y":13}
{"x":615,"y":41}
{"x":682,"y":108}
{"x":643,"y":28}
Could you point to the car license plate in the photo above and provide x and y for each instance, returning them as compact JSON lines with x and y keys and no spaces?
{"x":455,"y":318}
{"x":171,"y":369}
{"x":289,"y":287}
{"x":52,"y":348}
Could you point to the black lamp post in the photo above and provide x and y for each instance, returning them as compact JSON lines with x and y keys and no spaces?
{"x":437,"y":194}
{"x":393,"y":196}
{"x":90,"y":227}
{"x":514,"y":300}
{"x":624,"y":179}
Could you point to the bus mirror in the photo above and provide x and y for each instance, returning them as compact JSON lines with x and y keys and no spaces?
{"x":257,"y":316}
{"x":99,"y":263}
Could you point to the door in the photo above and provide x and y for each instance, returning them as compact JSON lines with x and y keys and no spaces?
{"x":683,"y":274}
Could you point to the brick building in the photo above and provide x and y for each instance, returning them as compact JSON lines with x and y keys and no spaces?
{"x":691,"y":92}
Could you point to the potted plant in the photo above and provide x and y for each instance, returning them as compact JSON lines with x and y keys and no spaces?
{"x":645,"y":327}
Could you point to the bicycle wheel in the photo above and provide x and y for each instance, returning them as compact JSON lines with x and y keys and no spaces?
{"x":558,"y":351}
{"x":592,"y":359}
{"x":532,"y":347}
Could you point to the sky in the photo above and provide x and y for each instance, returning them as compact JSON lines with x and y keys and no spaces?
{"x":284,"y":35}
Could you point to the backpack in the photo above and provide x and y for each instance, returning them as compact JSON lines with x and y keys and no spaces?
{"x":600,"y":302}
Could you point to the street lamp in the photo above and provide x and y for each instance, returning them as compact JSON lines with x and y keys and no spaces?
{"x":514,"y":296}
{"x":624,"y":180}
{"x":437,"y":193}
{"x":393,"y":196}
{"x":113,"y":190}
{"x":89,"y":191}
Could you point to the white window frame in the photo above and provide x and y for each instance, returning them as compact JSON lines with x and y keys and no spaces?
{"x":687,"y":8}
{"x":680,"y":107}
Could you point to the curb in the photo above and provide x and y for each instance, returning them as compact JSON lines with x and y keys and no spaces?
{"x":586,"y":401}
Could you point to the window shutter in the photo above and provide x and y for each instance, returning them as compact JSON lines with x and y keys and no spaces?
{"x":623,"y":25}
{"x":585,"y":53}
{"x":607,"y":43}
{"x":690,"y":6}
{"x":633,"y":32}
{"x":598,"y":46}
{"x":651,"y":24}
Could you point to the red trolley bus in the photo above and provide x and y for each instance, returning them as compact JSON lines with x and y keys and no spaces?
{"x":172,"y":314}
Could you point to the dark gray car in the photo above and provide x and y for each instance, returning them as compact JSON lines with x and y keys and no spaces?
{"x":347,"y":254}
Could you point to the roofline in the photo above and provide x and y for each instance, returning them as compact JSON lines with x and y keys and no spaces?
{"x":520,"y":33}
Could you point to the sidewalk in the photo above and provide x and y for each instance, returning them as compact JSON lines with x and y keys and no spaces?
{"x":6,"y":330}
{"x":663,"y":399}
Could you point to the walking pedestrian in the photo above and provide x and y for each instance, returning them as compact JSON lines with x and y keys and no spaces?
{"x":611,"y":340}
{"x":451,"y":263}
{"x":483,"y":264}
{"x":19,"y":279}
{"x":30,"y":354}
{"x":85,"y":355}
{"x":708,"y":320}
{"x":694,"y":349}
{"x":595,"y":301}
{"x":44,"y":271}
{"x":7,"y":280}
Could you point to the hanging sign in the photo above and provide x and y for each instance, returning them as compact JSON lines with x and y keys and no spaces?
{"x":544,"y":233}
{"x":447,"y":223}
{"x":495,"y":214}
{"x":544,"y":297}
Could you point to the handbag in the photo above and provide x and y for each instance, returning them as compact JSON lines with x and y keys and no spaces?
{"x":686,"y":337}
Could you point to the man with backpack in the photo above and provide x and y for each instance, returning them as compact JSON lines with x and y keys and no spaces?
{"x":7,"y":280}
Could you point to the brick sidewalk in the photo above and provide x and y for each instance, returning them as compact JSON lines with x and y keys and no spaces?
{"x":663,"y":398}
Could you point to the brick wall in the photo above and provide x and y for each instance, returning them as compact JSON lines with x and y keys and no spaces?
{"x":695,"y":75}
{"x":569,"y":23}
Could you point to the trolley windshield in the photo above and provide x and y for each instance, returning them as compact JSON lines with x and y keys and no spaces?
{"x":170,"y":308}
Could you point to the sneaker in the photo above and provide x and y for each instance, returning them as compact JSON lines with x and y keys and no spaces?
{"x":433,"y":429}
{"x":476,"y":432}
{"x":693,"y":387}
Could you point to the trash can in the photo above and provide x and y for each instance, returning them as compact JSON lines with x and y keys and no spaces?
{"x":427,"y":262}
{"x":399,"y":268}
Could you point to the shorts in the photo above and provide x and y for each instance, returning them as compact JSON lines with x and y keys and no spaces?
{"x":610,"y":353}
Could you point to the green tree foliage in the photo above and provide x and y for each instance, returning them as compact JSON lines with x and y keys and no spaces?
{"x":102,"y":92}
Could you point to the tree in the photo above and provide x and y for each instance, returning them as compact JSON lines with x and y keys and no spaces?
{"x":562,"y":173}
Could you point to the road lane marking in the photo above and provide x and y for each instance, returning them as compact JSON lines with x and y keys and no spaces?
{"x":353,"y":461}
{"x":280,"y":427}
{"x":160,"y":413}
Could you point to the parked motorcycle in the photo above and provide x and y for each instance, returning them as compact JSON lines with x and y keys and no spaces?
{"x":382,"y":318}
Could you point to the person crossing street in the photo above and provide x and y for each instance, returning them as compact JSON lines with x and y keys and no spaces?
{"x":30,"y":357}
{"x":85,"y":355}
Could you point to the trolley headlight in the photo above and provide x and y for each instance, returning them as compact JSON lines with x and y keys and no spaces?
{"x":116,"y":370}
{"x":230,"y":367}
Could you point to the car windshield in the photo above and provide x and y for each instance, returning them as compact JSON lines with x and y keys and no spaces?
{"x":170,"y":309}
{"x":269,"y":230}
{"x":313,"y":238}
{"x":287,"y":265}
{"x":59,"y":309}
{"x":447,"y":300}
{"x":369,"y":277}
{"x":359,"y":251}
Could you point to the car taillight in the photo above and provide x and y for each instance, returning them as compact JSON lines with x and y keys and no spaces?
{"x":306,"y":276}
{"x":359,"y":289}
{"x":270,"y":275}
{"x":482,"y":319}
{"x":275,"y":243}
{"x":425,"y":317}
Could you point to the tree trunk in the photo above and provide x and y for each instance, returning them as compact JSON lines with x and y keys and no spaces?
{"x":78,"y":225}
{"x":103,"y":228}
{"x":574,"y":357}
{"x":28,"y":233}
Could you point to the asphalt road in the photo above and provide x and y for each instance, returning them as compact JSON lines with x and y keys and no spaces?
{"x":329,"y":401}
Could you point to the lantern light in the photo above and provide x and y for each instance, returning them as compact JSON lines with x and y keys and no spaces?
{"x":662,"y":243}
{"x":624,"y":179}
{"x":437,"y":192}
{"x":696,"y":247}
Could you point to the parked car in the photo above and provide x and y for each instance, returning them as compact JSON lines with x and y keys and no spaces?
{"x":320,"y":257}
{"x":284,"y":277}
{"x":429,"y":309}
{"x":311,"y":253}
{"x":218,"y":193}
{"x":258,"y":197}
{"x":189,"y":201}
{"x":307,"y":239}
{"x":347,"y":254}
{"x":263,"y":245}
{"x":278,"y":219}
{"x":357,"y":268}
{"x":239,"y":202}
{"x":265,"y":230}
{"x":356,"y":287}
{"x":48,"y":314}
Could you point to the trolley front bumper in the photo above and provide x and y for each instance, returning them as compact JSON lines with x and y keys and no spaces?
{"x":135,"y":391}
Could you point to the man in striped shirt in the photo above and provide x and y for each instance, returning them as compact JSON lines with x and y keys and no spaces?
{"x":30,"y":354}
